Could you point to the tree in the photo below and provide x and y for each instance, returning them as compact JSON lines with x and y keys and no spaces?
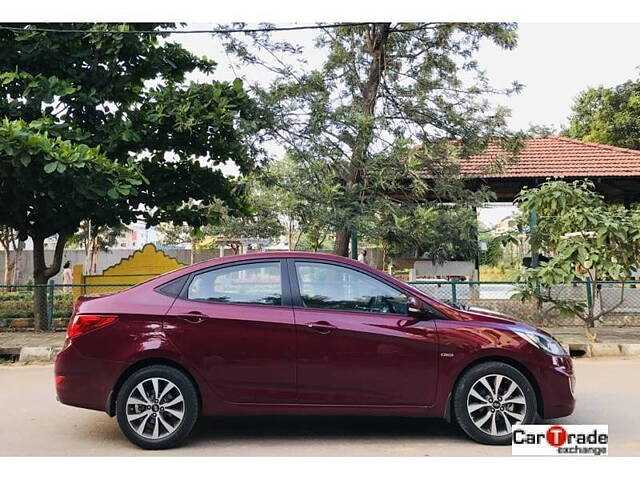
{"x":126,"y":93}
{"x":608,"y":115}
{"x":13,"y":248}
{"x":495,"y":249}
{"x":174,"y":234}
{"x":260,"y":222}
{"x":301,"y":195}
{"x":49,"y":186}
{"x":439,"y":233}
{"x":94,"y":239}
{"x":585,"y":239}
{"x":383,"y":89}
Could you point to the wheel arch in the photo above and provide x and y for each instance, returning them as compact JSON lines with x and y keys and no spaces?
{"x":449,"y":415}
{"x":110,"y":406}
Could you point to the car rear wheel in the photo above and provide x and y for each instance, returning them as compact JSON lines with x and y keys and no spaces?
{"x":157,"y":407}
{"x":490,"y":399}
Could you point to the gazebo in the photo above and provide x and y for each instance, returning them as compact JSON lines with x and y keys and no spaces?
{"x":614,"y":171}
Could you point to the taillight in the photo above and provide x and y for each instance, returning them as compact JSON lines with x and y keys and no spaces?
{"x":82,"y":324}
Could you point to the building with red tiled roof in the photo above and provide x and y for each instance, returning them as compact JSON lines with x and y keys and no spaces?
{"x":615,"y":171}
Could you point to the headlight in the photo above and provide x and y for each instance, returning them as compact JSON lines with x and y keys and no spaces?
{"x":543,"y":342}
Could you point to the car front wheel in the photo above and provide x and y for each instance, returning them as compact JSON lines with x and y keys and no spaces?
{"x":490,"y":399}
{"x":157,"y":407}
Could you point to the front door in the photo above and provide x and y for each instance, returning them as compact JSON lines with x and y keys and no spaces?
{"x":236,"y":324}
{"x":356,"y":343}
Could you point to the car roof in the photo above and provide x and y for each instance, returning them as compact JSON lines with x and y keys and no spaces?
{"x":277,"y":255}
{"x":285,"y":253}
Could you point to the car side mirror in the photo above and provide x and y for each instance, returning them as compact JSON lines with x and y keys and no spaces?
{"x":415,"y":306}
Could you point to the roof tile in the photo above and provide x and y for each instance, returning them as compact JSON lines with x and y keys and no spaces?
{"x":554,"y":157}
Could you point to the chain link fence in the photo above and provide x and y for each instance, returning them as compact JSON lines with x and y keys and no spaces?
{"x":619,"y":301}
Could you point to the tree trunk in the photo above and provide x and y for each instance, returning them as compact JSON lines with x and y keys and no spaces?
{"x":93,"y":258}
{"x":384,"y":257}
{"x":15,"y":267}
{"x":41,"y":275}
{"x":7,"y":267}
{"x":341,"y":245}
{"x":40,"y":290}
{"x":40,"y":318}
{"x":369,"y":90}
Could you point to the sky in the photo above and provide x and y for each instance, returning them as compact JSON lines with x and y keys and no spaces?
{"x":554,"y":62}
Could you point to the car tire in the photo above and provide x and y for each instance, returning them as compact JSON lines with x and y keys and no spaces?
{"x":486,"y":415}
{"x":157,"y":407}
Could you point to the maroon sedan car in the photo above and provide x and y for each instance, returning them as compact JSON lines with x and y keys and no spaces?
{"x":302,"y":333}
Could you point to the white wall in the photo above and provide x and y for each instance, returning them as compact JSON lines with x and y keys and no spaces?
{"x":105,"y":260}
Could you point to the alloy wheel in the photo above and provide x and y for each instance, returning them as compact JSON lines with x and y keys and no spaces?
{"x":155,"y":408}
{"x":495,"y":404}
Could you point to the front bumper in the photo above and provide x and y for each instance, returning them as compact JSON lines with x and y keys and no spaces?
{"x":558,"y":388}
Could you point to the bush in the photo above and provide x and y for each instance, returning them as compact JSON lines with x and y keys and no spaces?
{"x":19,"y":304}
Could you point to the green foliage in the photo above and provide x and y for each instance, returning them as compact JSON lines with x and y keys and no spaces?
{"x":438,"y":233}
{"x":352,"y":123}
{"x":495,"y":248}
{"x":175,"y":234}
{"x":20,"y":305}
{"x":160,"y":139}
{"x":585,"y":238}
{"x":99,"y":238}
{"x":260,"y":221}
{"x":303,"y":195}
{"x":127,"y":94}
{"x":49,"y":185}
{"x":608,"y":115}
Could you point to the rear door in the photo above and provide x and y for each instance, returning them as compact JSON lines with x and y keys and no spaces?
{"x":357,"y":345}
{"x":235,"y":323}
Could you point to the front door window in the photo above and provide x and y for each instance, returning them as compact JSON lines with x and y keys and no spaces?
{"x":340,"y":288}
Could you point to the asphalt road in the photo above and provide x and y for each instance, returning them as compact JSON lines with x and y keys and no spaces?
{"x":33,"y":423}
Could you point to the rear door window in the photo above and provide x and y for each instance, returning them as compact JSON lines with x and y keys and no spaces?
{"x":253,"y":283}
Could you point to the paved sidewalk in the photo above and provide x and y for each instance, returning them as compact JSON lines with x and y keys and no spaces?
{"x":14,"y":341}
{"x":30,"y":346}
{"x":605,"y":334}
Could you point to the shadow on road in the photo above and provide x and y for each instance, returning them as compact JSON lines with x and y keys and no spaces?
{"x":320,"y":427}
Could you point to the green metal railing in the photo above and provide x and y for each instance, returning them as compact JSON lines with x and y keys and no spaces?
{"x":17,"y":301}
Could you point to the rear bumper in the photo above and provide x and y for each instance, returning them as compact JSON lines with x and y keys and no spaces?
{"x":83,"y":381}
{"x":558,"y":389}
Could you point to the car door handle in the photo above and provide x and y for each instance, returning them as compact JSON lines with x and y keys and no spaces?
{"x":322,"y":327}
{"x":195,"y":317}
